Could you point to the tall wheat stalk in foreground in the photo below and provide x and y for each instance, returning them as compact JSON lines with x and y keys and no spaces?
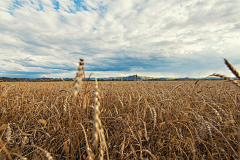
{"x":98,"y":132}
{"x":236,"y":73}
{"x":78,"y":78}
{"x":233,"y":70}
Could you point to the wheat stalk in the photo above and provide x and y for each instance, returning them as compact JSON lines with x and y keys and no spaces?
{"x":226,"y":78}
{"x":19,"y":156}
{"x":88,"y":149}
{"x":96,"y":119}
{"x":4,"y":149}
{"x":78,"y":78}
{"x":8,"y":133}
{"x":47,"y":154}
{"x":234,"y":71}
{"x":98,"y":133}
{"x":155,"y":117}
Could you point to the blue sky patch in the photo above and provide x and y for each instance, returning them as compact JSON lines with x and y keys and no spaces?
{"x":15,"y":5}
{"x":40,"y":7}
{"x":79,"y":4}
{"x":56,"y":4}
{"x":18,"y":3}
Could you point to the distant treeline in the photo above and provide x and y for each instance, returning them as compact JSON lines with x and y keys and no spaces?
{"x":7,"y":79}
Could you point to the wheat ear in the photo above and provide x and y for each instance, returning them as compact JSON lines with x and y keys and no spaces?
{"x":234,"y":71}
{"x":78,"y":78}
{"x":226,"y":78}
{"x":98,"y":133}
{"x":8,"y":133}
{"x":96,"y":119}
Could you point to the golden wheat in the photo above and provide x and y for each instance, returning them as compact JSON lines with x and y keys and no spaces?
{"x":132,"y":120}
{"x":234,"y":71}
{"x":78,"y":78}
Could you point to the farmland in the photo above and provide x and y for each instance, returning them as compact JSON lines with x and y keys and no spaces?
{"x":140,"y":120}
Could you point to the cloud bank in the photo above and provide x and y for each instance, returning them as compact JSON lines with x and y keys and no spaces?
{"x":175,"y":38}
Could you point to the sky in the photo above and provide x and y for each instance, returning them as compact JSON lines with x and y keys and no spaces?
{"x":118,"y":38}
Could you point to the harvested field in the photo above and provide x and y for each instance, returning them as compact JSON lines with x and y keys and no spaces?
{"x":139,"y":120}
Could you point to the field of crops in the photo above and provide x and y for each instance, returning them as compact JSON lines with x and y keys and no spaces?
{"x":137,"y":120}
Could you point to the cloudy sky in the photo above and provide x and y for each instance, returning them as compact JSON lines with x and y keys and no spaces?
{"x":158,"y":38}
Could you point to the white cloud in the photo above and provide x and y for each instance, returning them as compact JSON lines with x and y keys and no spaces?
{"x":108,"y":74}
{"x":175,"y":29}
{"x":47,"y":2}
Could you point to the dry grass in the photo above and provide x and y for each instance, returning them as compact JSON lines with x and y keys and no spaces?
{"x":123,"y":120}
{"x":177,"y":124}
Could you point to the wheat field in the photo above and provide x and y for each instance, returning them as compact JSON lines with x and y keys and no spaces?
{"x":141,"y":120}
{"x":120,"y":120}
